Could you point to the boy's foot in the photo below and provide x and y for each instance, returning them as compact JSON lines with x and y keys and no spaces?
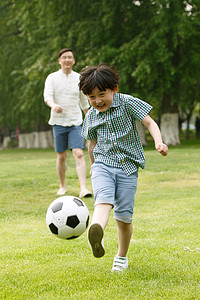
{"x":119,"y":264}
{"x":95,"y":238}
{"x":61,"y":191}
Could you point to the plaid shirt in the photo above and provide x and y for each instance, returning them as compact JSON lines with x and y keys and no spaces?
{"x":118,"y":143}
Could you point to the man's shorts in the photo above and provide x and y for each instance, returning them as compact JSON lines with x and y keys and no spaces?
{"x":67,"y":137}
{"x":112,"y":186}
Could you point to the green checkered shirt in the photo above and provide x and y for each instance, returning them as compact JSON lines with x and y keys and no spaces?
{"x":118,"y":143}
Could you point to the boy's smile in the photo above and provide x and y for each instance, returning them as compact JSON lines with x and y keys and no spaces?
{"x":102,"y":100}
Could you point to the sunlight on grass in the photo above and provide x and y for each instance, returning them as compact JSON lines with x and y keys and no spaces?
{"x":165,"y":248}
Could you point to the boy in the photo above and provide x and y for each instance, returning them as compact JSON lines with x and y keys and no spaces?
{"x":115,"y":153}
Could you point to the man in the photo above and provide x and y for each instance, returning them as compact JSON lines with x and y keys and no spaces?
{"x":62,"y":94}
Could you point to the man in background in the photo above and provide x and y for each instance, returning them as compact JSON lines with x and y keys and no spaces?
{"x":62,"y":95}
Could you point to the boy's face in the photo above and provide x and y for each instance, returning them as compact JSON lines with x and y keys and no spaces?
{"x":102,"y":100}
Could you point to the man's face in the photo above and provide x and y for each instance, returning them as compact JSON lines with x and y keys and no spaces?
{"x":66,"y":61}
{"x":102,"y":100}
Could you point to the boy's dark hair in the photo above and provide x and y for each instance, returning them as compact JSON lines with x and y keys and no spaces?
{"x":65,"y":50}
{"x":102,"y":76}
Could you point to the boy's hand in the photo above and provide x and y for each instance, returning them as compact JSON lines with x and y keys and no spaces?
{"x":162,"y":148}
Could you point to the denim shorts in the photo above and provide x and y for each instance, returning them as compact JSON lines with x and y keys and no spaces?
{"x":112,"y":186}
{"x":65,"y":137}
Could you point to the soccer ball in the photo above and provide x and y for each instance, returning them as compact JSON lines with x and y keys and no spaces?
{"x":67,"y":217}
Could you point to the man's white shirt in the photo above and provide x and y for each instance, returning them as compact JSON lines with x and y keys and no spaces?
{"x":64,"y":91}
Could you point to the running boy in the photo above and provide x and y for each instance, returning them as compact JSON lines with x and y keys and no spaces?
{"x":115,"y":153}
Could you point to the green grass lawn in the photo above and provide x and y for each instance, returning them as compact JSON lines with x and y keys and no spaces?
{"x":164,"y":255}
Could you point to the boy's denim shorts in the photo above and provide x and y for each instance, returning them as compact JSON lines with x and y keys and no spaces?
{"x":112,"y":186}
{"x":65,"y":137}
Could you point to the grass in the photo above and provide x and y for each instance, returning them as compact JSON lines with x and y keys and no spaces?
{"x":164,"y":253}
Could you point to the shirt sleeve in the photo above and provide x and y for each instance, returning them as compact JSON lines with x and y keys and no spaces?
{"x":48,"y":89}
{"x":84,"y":104}
{"x":88,"y":131}
{"x":138,"y":108}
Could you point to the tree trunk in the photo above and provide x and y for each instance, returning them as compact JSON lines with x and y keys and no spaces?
{"x":169,"y":128}
{"x":169,"y":124}
{"x":6,"y":141}
{"x":22,"y":141}
{"x":188,"y":127}
{"x":26,"y":140}
{"x":38,"y":139}
{"x":46,"y":139}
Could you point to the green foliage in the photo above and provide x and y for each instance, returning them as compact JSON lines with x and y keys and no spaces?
{"x":164,"y":250}
{"x":154,"y":45}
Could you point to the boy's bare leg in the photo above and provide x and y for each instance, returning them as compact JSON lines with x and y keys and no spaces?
{"x":101,"y":214}
{"x":96,"y":230}
{"x":124,"y":236}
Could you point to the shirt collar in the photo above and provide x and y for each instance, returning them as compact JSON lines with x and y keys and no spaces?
{"x":61,"y":72}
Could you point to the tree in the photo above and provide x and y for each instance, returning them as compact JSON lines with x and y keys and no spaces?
{"x":7,"y":58}
{"x":153,"y":44}
{"x":157,"y":55}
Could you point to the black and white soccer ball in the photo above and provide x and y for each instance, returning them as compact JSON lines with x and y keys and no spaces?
{"x":67,"y":217}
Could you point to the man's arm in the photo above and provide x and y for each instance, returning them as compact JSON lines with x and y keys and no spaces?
{"x":49,"y":94}
{"x":154,"y":130}
{"x":57,"y":108}
{"x":85,"y":111}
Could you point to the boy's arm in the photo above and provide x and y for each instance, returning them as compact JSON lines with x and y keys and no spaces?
{"x":91,"y":145}
{"x":154,"y":130}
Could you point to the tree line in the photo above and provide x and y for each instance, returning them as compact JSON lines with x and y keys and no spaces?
{"x":155,"y":46}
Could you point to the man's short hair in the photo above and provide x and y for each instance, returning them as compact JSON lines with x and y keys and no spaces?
{"x":65,"y":50}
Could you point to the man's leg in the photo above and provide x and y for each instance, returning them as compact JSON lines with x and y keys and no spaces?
{"x":81,"y":172}
{"x":61,"y":169}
